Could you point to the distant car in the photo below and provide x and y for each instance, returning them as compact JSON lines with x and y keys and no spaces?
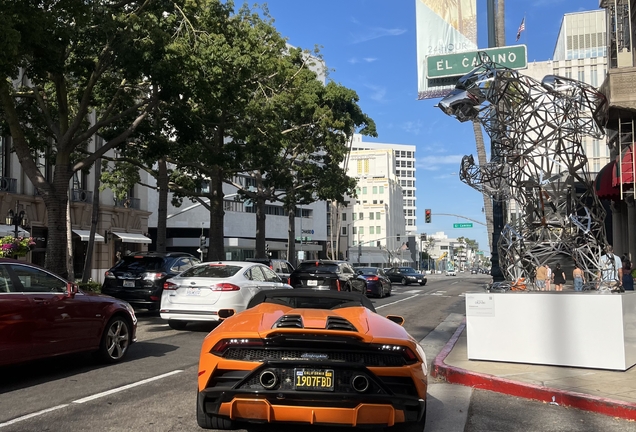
{"x":213,"y":291}
{"x":43,"y":315}
{"x":282,"y":267}
{"x":326,"y":275}
{"x":451,"y":273}
{"x":474,"y":271}
{"x":377,"y":282}
{"x":310,"y":357}
{"x":406,"y":276}
{"x":138,"y":278}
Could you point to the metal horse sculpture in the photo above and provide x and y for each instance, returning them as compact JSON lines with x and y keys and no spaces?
{"x":538,"y":163}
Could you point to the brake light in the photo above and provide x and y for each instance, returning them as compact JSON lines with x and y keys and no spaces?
{"x":168,"y":286}
{"x":373,"y":278}
{"x":154,"y":276}
{"x":109,"y":275}
{"x":338,"y":284}
{"x":221,"y":346}
{"x":225,"y":287}
{"x":407,"y":354}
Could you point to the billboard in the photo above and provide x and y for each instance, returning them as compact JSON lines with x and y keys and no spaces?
{"x":443,"y":27}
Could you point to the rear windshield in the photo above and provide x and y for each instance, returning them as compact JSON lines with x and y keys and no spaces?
{"x":212,"y":271}
{"x":139,"y":264}
{"x":367,"y":270}
{"x":408,"y":270}
{"x":313,"y":267}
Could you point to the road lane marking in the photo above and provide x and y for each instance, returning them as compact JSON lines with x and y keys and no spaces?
{"x":411,"y":292}
{"x":397,"y":301}
{"x":126,"y":387}
{"x":89,"y":398}
{"x":28,"y":416}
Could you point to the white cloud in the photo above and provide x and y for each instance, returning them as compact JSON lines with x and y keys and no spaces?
{"x":353,"y":60}
{"x":434,"y":163}
{"x":376,"y":33}
{"x":378,"y":92}
{"x":370,"y":59}
{"x":413,"y":127}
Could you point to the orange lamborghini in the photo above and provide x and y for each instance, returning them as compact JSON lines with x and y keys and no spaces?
{"x":312,"y":357}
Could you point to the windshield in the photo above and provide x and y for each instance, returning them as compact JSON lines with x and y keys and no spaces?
{"x":368,"y":270}
{"x":212,"y":271}
{"x":407,"y":270}
{"x":139,"y":264}
{"x":318,"y":267}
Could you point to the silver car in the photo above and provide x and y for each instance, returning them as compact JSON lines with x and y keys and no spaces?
{"x":213,"y":291}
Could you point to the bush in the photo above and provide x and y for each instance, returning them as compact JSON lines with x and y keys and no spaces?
{"x":90,"y":286}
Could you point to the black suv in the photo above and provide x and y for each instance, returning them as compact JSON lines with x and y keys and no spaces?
{"x":281,"y":267}
{"x":326,"y":275}
{"x":138,"y":278}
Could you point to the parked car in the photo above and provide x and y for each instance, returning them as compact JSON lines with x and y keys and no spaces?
{"x":377,"y":283}
{"x":213,"y":291}
{"x":474,"y":271}
{"x":311,"y":357}
{"x":451,"y":272}
{"x":138,"y":278}
{"x":282,"y":267}
{"x":406,"y":276}
{"x":326,"y":275}
{"x":43,"y":315}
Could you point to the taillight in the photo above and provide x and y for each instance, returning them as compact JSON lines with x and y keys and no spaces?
{"x":221,"y":346}
{"x":372,"y":278}
{"x":225,"y":287}
{"x":154,"y":276}
{"x":109,"y":275}
{"x":407,"y":354}
{"x":338,"y":284}
{"x":170,"y":286}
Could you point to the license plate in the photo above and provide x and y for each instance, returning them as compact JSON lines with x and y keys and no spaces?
{"x":193,"y":291}
{"x":312,"y":282}
{"x":129,"y":284}
{"x":314,"y":379}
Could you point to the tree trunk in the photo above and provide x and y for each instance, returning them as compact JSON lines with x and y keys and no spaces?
{"x":259,"y":202}
{"x":500,"y":24}
{"x":162,"y":208}
{"x":291,"y":236}
{"x":88,"y":263}
{"x":56,"y":201}
{"x":70,"y":268}
{"x":216,"y":248}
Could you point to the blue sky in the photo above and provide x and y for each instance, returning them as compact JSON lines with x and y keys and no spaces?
{"x":370,"y":47}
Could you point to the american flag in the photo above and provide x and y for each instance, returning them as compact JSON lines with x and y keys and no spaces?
{"x":522,"y":27}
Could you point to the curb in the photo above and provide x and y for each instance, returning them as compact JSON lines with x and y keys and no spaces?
{"x":455,"y":375}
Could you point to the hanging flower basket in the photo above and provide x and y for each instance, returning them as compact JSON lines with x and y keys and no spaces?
{"x":15,"y":247}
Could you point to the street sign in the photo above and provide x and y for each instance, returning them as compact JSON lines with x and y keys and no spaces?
{"x":463,"y":225}
{"x":458,"y":64}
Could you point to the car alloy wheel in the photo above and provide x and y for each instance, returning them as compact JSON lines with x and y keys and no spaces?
{"x":115,"y":340}
{"x":404,"y":281}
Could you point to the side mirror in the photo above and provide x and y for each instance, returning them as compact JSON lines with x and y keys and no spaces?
{"x":396,"y":319}
{"x":71,"y":289}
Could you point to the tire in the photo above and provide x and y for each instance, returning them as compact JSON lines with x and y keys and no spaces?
{"x":115,"y":340}
{"x":388,"y":294}
{"x":404,"y":281}
{"x":208,"y":421}
{"x":422,"y":283}
{"x":177,"y":325}
{"x":381,"y":295}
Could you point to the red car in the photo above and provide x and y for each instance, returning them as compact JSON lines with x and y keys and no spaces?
{"x":43,"y":315}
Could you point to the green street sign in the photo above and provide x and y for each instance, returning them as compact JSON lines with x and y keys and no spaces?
{"x":458,"y":64}
{"x":463,"y":225}
{"x":479,"y":252}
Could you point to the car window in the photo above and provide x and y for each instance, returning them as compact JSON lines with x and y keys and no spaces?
{"x":212,"y":271}
{"x":381,"y":272}
{"x":270,"y":276}
{"x":255,"y":274}
{"x":285,"y":267}
{"x":346,"y":269}
{"x":6,"y":285}
{"x":181,"y":264}
{"x":137,"y":264}
{"x":34,"y":280}
{"x":320,"y":267}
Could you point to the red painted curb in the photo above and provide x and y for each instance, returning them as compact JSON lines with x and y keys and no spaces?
{"x":455,"y":375}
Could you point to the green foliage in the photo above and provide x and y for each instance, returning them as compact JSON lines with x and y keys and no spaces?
{"x":120,"y":178}
{"x":15,"y":247}
{"x":90,"y":286}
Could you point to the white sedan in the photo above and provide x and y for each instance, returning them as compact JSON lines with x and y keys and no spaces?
{"x":213,"y":291}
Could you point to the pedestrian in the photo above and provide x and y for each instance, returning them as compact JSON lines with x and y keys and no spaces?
{"x":558,"y":276}
{"x":539,"y":279}
{"x":628,"y":279}
{"x":578,"y":277}
{"x":610,"y":275}
{"x":548,"y":277}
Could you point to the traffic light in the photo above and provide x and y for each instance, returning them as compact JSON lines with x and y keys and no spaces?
{"x":267,"y":252}
{"x":202,"y":240}
{"x":427,"y":214}
{"x":423,"y":237}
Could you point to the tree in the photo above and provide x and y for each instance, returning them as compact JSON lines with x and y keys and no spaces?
{"x":65,"y":61}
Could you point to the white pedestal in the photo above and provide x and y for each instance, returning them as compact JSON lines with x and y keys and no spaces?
{"x":584,"y":329}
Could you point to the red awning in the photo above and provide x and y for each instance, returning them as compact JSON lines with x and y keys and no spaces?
{"x":627,"y":167}
{"x":603,"y":182}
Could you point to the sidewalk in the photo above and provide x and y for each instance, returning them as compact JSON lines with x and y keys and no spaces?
{"x":611,"y":393}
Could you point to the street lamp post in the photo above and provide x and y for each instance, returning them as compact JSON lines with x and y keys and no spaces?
{"x":16,"y":219}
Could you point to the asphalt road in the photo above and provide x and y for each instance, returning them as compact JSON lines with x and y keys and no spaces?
{"x":155,"y":388}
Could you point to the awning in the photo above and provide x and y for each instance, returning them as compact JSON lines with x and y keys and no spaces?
{"x":371,"y":258}
{"x":603,"y":183}
{"x":9,"y":230}
{"x":132,"y":238}
{"x":85,"y":235}
{"x":627,"y":168}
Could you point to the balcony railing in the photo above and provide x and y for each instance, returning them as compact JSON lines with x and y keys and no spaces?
{"x":8,"y":184}
{"x":133,"y":203}
{"x":81,"y":195}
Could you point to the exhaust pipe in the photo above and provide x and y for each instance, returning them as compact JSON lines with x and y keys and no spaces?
{"x":268,"y":379}
{"x":226,"y":313}
{"x":360,"y":383}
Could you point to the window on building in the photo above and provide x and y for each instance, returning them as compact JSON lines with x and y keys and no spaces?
{"x":361,"y":230}
{"x":359,"y":166}
{"x":581,"y":74}
{"x":378,"y":229}
{"x":366,"y":166}
{"x":371,"y":230}
{"x":371,"y":215}
{"x":361,"y":216}
{"x":375,"y":201}
{"x":354,"y":231}
{"x":343,"y":231}
{"x":377,"y":215}
{"x":358,"y":191}
{"x":594,"y":77}
{"x":364,"y":190}
{"x":596,"y":148}
{"x":344,"y":216}
{"x":568,"y":72}
{"x":374,"y":190}
{"x":355,"y":216}
{"x":381,"y":189}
